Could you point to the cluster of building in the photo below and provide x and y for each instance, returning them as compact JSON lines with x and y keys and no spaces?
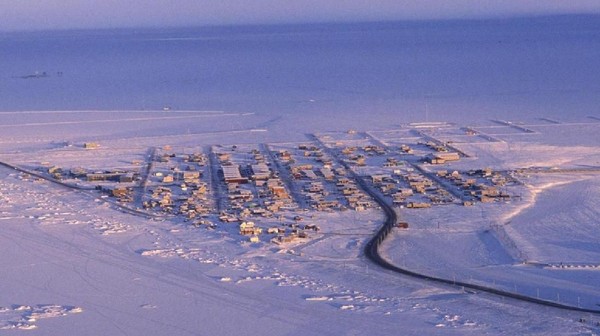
{"x":357,"y":199}
{"x":292,"y":232}
{"x":314,"y":187}
{"x":405,"y":187}
{"x":277,"y":234}
{"x":399,"y":177}
{"x":323,"y":186}
{"x":176,"y":185}
{"x":354,"y":158}
{"x":117,"y":183}
{"x":442,"y":157}
{"x":110,"y":175}
{"x":240,"y":184}
{"x":253,"y":188}
{"x":411,"y":190}
{"x":440,"y":152}
{"x":481,"y":185}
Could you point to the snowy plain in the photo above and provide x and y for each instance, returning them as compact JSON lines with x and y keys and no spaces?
{"x":73,"y":264}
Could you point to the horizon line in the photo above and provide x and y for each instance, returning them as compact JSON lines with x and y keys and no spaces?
{"x":498,"y":18}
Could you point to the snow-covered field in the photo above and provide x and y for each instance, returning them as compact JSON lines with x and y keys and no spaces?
{"x":74,"y":264}
{"x":543,"y":244}
{"x":64,"y":252}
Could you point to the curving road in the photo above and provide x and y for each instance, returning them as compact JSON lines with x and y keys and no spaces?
{"x":372,"y":252}
{"x":372,"y":248}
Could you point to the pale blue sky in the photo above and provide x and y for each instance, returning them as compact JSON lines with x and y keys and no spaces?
{"x":61,"y":14}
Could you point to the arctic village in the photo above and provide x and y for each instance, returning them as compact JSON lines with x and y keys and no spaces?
{"x":281,"y":184}
{"x":334,"y":189}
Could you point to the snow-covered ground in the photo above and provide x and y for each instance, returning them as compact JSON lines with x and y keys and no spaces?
{"x":542,"y":244}
{"x":64,"y":252}
{"x":74,"y":264}
{"x":67,"y":251}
